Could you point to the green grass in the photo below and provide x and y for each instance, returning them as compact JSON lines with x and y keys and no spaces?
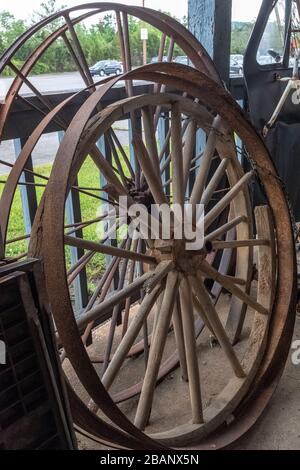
{"x":88,"y":176}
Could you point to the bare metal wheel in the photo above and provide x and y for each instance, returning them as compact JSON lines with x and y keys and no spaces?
{"x":174,"y":38}
{"x":176,"y":278}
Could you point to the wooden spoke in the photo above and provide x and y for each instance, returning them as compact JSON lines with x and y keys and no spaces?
{"x":214,"y":182}
{"x":179,"y":339}
{"x":189,"y":149}
{"x":204,"y":315}
{"x":107,"y":250}
{"x":230,"y":285}
{"x":225,"y":228}
{"x":79,"y":266}
{"x":18,"y":239}
{"x":225,"y":201}
{"x":207,"y":306}
{"x":206,"y":160}
{"x":99,"y":295}
{"x":156,"y":351}
{"x":103,"y":286}
{"x":80,"y":226}
{"x":130,"y":280}
{"x":222,"y":245}
{"x":191,"y":350}
{"x":150,"y":137}
{"x":88,"y":255}
{"x":177,"y":155}
{"x":166,"y":144}
{"x":102,"y":311}
{"x":148,"y":169}
{"x":115,"y":314}
{"x":129,"y":338}
{"x":164,"y":268}
{"x":105,"y":167}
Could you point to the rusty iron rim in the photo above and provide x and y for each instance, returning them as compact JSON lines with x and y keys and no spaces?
{"x":265,"y":168}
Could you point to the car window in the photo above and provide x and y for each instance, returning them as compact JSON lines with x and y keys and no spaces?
{"x":271,"y":47}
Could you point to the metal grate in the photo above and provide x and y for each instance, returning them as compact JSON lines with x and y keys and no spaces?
{"x":33,"y":405}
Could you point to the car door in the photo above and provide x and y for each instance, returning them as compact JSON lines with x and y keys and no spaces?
{"x":265,"y":89}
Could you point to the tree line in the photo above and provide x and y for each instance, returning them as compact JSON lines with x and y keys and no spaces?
{"x":99,"y":41}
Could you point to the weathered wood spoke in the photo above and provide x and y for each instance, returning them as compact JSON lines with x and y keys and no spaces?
{"x":222,"y":245}
{"x":205,"y":305}
{"x":107,"y":250}
{"x":230,"y":285}
{"x":191,"y":350}
{"x":153,"y":290}
{"x":206,"y":160}
{"x":156,"y":351}
{"x":149,"y":168}
{"x":226,"y":200}
{"x":177,"y":155}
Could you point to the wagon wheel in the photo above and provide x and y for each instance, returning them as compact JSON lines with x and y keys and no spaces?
{"x":63,"y":24}
{"x":173,"y":35}
{"x":106,"y":280}
{"x":184,"y":279}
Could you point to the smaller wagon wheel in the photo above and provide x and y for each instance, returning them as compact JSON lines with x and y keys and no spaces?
{"x":178,"y":275}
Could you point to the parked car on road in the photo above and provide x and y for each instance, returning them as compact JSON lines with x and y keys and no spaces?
{"x":106,"y":67}
{"x":239,"y":58}
{"x":155,"y":59}
{"x":182,"y":59}
{"x":235,"y":67}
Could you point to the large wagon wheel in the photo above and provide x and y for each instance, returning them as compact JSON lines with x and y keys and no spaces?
{"x":250,"y":139}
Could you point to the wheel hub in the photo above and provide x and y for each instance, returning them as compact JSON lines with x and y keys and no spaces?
{"x":185,"y":261}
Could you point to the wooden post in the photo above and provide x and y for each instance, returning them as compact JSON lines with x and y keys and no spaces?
{"x":210,"y":22}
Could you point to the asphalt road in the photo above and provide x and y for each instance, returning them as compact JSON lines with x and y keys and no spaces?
{"x":48,"y":83}
{"x":46,"y":148}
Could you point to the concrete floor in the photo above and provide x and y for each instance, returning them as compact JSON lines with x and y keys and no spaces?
{"x":279,"y":427}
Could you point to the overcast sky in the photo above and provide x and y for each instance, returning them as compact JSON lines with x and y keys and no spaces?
{"x":242,"y":10}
